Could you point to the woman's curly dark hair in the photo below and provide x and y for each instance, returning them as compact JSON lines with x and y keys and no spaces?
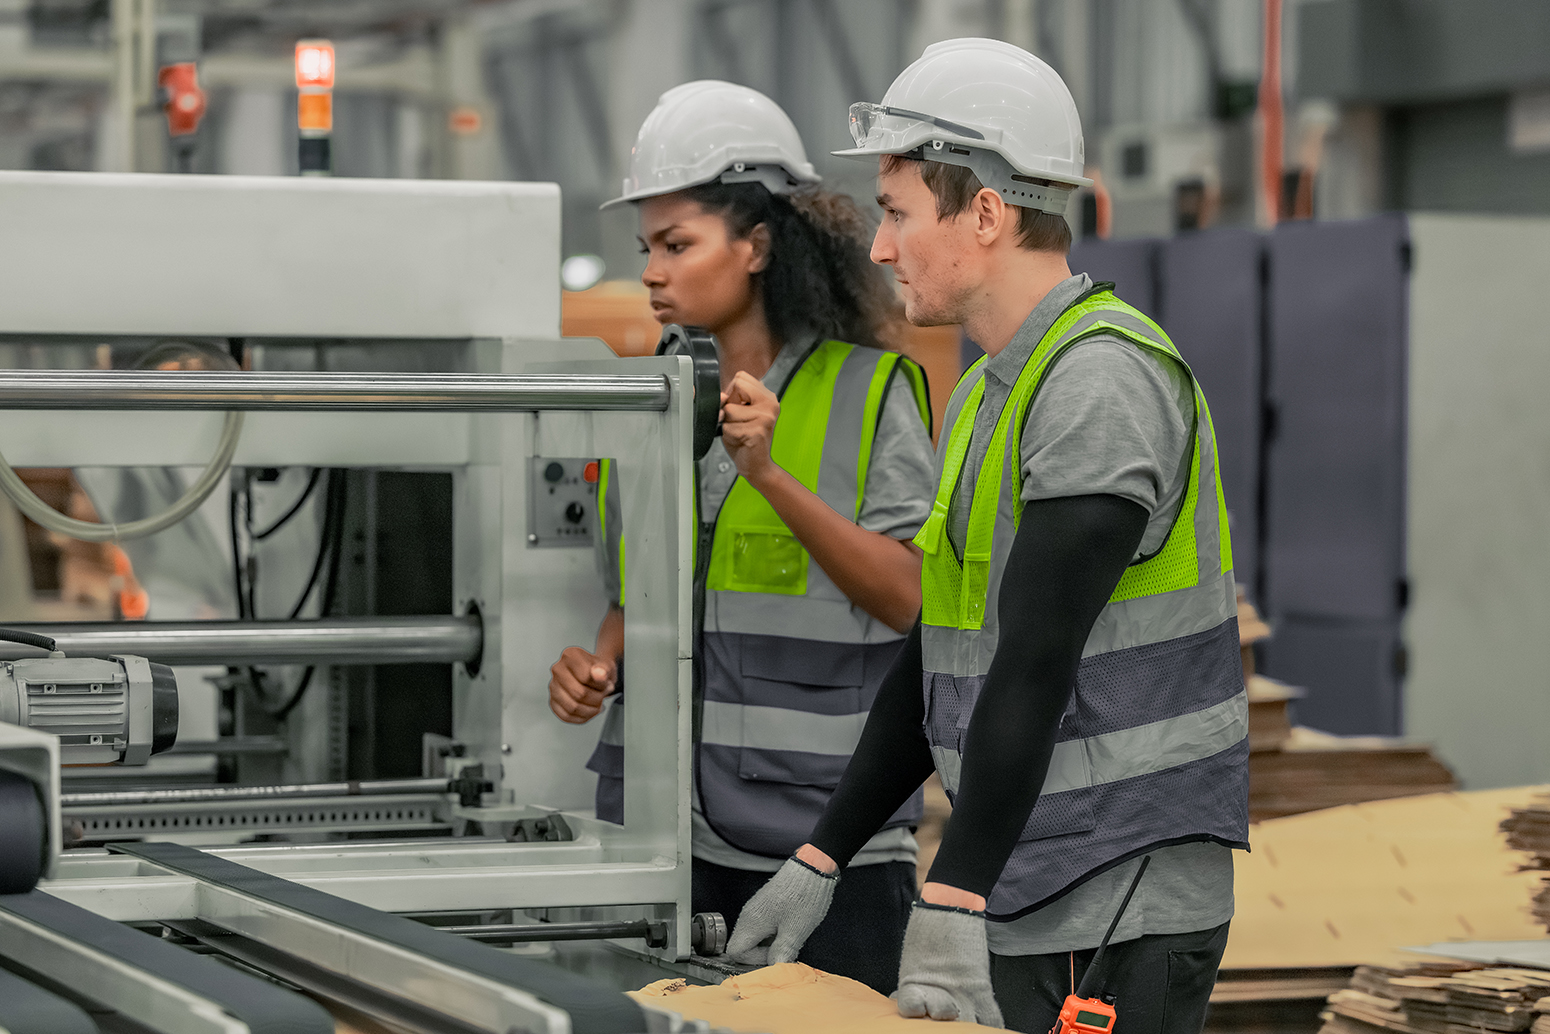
{"x":819,"y":279}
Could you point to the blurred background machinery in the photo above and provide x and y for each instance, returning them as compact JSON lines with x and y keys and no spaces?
{"x":1262,"y":168}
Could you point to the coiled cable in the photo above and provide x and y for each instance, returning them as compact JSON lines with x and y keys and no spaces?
{"x":90,"y":531}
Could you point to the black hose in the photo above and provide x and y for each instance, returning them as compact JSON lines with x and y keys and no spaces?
{"x":251,"y":567}
{"x":306,"y":493}
{"x":332,"y":518}
{"x":16,"y":635}
{"x":280,"y":713}
{"x":333,"y":542}
{"x":236,"y":555}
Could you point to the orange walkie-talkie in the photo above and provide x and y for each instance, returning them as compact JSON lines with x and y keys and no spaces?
{"x":1084,"y":1013}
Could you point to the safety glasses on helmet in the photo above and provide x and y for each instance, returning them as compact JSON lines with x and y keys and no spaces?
{"x":864,"y":115}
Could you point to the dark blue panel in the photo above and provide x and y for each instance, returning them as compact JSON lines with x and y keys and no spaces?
{"x":1209,"y":287}
{"x":1130,"y":264}
{"x":1335,"y":475}
{"x":1349,"y":669}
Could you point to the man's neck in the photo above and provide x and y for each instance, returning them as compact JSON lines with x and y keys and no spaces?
{"x":1003,"y":302}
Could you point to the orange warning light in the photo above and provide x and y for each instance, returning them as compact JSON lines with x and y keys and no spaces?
{"x":315,"y":64}
{"x":589,"y":473}
{"x":315,"y":111}
{"x":464,"y":120}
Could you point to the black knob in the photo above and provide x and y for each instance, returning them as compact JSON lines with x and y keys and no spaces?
{"x":554,"y":472}
{"x":575,"y":512}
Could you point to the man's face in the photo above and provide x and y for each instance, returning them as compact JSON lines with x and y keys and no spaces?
{"x":932,"y":259}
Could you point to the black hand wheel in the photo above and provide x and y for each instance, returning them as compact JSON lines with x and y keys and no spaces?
{"x":707,"y":933}
{"x":699,"y":345}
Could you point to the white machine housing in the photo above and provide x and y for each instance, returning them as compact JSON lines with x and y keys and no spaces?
{"x":473,"y":266}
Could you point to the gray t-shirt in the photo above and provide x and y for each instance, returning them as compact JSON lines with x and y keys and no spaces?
{"x":1109,"y":419}
{"x":895,"y":502}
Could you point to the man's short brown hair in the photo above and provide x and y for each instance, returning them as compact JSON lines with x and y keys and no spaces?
{"x":954,"y":187}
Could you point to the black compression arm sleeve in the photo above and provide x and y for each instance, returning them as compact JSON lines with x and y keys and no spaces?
{"x":888,"y":765}
{"x":1065,"y":561}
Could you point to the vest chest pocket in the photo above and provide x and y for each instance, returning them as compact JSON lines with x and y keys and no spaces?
{"x":761,"y":560}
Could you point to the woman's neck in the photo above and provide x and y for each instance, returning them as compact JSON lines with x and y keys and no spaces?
{"x":746,"y":344}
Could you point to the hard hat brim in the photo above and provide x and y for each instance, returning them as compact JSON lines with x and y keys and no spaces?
{"x":861,"y":153}
{"x":804,"y":178}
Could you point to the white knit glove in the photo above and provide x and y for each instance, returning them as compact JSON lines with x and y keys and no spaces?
{"x":945,"y":969}
{"x":788,"y":908}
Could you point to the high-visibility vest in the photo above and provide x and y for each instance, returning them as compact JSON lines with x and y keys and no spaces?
{"x":1154,"y":747}
{"x":789,"y":667}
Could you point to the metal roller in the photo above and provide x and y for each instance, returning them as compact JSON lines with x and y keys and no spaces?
{"x":380,"y":392}
{"x":294,"y":791}
{"x":431,"y":639}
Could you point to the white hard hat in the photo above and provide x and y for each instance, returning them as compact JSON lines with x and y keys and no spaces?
{"x":708,"y":131}
{"x":986,"y":105}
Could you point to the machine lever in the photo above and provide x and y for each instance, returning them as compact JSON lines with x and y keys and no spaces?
{"x":699,"y":345}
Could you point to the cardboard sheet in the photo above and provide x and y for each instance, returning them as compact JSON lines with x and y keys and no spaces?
{"x":790,"y":998}
{"x":1493,"y":953}
{"x":1355,"y":884}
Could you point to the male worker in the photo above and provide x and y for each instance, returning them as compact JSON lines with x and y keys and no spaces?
{"x":1074,"y":677}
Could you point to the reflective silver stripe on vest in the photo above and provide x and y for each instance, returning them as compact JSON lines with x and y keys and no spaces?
{"x":1128,"y":753}
{"x":1146,"y":619}
{"x":1153,"y":619}
{"x":823,"y":620}
{"x":777,"y":728}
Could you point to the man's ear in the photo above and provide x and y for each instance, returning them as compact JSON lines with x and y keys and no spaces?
{"x":993,"y":217}
{"x":759,"y":237}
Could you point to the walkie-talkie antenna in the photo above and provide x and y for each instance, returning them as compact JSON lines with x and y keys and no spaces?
{"x":1092,"y":970}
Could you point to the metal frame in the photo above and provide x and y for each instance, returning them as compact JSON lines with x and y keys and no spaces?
{"x":644,"y":863}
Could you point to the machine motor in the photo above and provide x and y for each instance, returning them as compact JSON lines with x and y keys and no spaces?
{"x":116,"y":711}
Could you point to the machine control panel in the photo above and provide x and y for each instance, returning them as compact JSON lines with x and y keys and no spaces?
{"x":561,"y":496}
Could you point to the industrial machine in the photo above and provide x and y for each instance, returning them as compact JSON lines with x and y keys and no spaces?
{"x":390,"y":326}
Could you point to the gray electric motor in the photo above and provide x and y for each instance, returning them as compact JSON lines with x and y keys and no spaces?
{"x":116,"y":711}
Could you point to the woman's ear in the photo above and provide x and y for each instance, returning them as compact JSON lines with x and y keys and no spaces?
{"x":759,"y":237}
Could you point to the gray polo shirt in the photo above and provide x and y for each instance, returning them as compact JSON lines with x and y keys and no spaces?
{"x":895,"y":502}
{"x":1109,"y":419}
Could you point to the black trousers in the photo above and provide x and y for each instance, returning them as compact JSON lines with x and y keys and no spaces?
{"x":1162,"y":984}
{"x":863,"y":933}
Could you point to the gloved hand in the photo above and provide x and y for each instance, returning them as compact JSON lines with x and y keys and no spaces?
{"x":790,"y":907}
{"x":945,"y":969}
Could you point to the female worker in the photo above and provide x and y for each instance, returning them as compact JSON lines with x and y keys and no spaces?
{"x":807,"y":501}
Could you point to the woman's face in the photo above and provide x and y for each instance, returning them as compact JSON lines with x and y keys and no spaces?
{"x":697,"y":274}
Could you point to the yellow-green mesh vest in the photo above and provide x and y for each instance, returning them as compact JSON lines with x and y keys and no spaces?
{"x":761,"y":554}
{"x":1153,"y":748}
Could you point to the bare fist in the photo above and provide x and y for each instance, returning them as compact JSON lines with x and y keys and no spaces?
{"x":578,"y":684}
{"x":749,"y":411}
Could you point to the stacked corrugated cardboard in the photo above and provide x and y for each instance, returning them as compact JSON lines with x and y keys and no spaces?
{"x":1528,"y":829}
{"x":1294,"y":769}
{"x":1441,"y":998}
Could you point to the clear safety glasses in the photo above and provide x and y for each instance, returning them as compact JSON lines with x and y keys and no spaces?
{"x":865,"y":115}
